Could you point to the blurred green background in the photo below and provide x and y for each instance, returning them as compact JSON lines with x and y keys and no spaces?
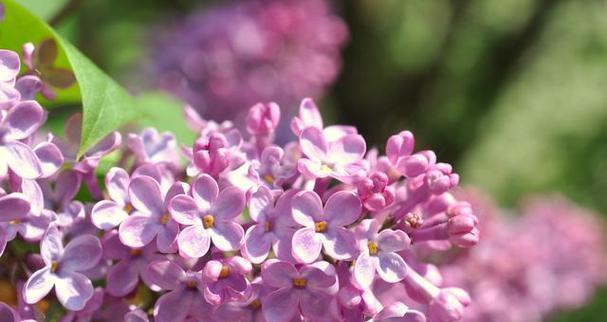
{"x":512,"y":92}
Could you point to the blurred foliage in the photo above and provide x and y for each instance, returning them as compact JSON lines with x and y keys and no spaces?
{"x":511,"y":92}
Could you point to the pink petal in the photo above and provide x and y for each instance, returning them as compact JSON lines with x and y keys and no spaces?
{"x":316,"y":306}
{"x":229,"y":204}
{"x":391,"y":267}
{"x":307,"y":208}
{"x":342,"y":208}
{"x":205,"y":191}
{"x":38,"y":285}
{"x":165,"y":274}
{"x":81,"y":253}
{"x":227,"y":235}
{"x":73,"y":291}
{"x":280,"y":306}
{"x":107,"y":214}
{"x":194,"y":241}
{"x":307,"y":245}
{"x":137,"y":230}
{"x":256,"y":244}
{"x":364,"y":270}
{"x":312,"y":169}
{"x":145,"y":195}
{"x":313,"y":144}
{"x":261,"y":202}
{"x":278,"y":274}
{"x":340,"y":243}
{"x":348,"y":149}
{"x":184,"y":210}
{"x":390,"y":240}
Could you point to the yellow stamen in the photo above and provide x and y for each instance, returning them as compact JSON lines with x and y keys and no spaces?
{"x":372,"y":248}
{"x":128,"y":208}
{"x":208,"y":221}
{"x":15,"y":222}
{"x":300,"y":282}
{"x":326,"y":168}
{"x":54,"y":266}
{"x":267,"y":226}
{"x":268,"y":178}
{"x":225,"y":272}
{"x":320,"y":226}
{"x":136,"y":252}
{"x":191,"y":284}
{"x":256,"y":304}
{"x":165,"y":219}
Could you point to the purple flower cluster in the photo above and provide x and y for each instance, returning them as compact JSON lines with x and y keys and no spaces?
{"x":314,"y":230}
{"x":225,"y":59}
{"x":528,"y":268}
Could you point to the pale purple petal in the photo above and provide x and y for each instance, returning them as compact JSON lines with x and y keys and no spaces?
{"x":122,"y":278}
{"x":227,"y":235}
{"x":205,"y":191}
{"x":307,"y":207}
{"x":165,"y":274}
{"x":13,"y":206}
{"x":307,"y":245}
{"x":21,"y":159}
{"x":166,"y":240}
{"x":7,"y":314}
{"x":23,"y":120}
{"x":50,"y":158}
{"x":364,"y":269}
{"x":145,"y":195}
{"x":9,"y":65}
{"x":173,"y":306}
{"x":117,"y":184}
{"x":278,"y":274}
{"x":340,"y":243}
{"x":67,"y":185}
{"x":105,"y":146}
{"x":391,"y":267}
{"x":256,"y":244}
{"x":73,"y":290}
{"x":136,"y":316}
{"x":184,"y":210}
{"x":313,"y":144}
{"x":316,"y":306}
{"x":261,"y":202}
{"x":348,"y":149}
{"x":32,"y":191}
{"x":313,"y":169}
{"x":194,"y":241}
{"x":138,"y":231}
{"x":38,"y":285}
{"x":343,"y":208}
{"x":51,"y":247}
{"x":390,"y":240}
{"x":107,"y":214}
{"x":280,"y":305}
{"x":81,"y":253}
{"x":320,"y":275}
{"x":229,"y":204}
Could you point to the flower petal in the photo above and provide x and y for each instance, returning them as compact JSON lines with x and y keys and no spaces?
{"x":340,"y":243}
{"x":313,"y":143}
{"x":73,"y":291}
{"x":9,"y":65}
{"x":205,"y":191}
{"x":7,"y":314}
{"x":364,"y":270}
{"x":50,"y":158}
{"x":165,"y":274}
{"x":23,"y":120}
{"x":194,"y":241}
{"x":279,"y":274}
{"x":348,"y":149}
{"x":343,"y":208}
{"x":38,"y":285}
{"x":137,"y":230}
{"x":256,"y":244}
{"x":280,"y":305}
{"x":316,"y":306}
{"x":107,"y":214}
{"x":173,"y":306}
{"x":307,"y":207}
{"x":166,"y":240}
{"x":22,"y":160}
{"x":260,"y":203}
{"x":390,"y":240}
{"x":81,"y":253}
{"x":229,"y":204}
{"x":117,"y":184}
{"x":145,"y":195}
{"x":307,"y":245}
{"x":51,"y":247}
{"x":13,"y":206}
{"x":391,"y":267}
{"x":184,"y":210}
{"x":122,"y":278}
{"x":227,"y":235}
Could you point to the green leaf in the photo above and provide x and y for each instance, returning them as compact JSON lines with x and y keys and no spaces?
{"x":165,"y":113}
{"x":106,"y":106}
{"x":45,"y":9}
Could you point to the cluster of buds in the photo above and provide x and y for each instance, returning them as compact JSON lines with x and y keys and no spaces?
{"x":267,"y":50}
{"x":530,"y":267}
{"x":318,"y":229}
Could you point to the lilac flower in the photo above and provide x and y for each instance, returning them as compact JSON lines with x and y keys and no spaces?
{"x":273,"y":226}
{"x":87,"y":313}
{"x":263,"y":119}
{"x":225,"y":280}
{"x":7,"y":314}
{"x":306,"y":291}
{"x":208,"y":214}
{"x":374,"y":191}
{"x":245,"y":311}
{"x":185,"y":296}
{"x":9,"y":66}
{"x":324,"y":227}
{"x":61,"y":269}
{"x":123,"y":277}
{"x":340,"y":159}
{"x":379,"y":253}
{"x":399,"y":312}
{"x":151,"y":218}
{"x":151,"y":146}
{"x":309,"y":116}
{"x":107,"y":214}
